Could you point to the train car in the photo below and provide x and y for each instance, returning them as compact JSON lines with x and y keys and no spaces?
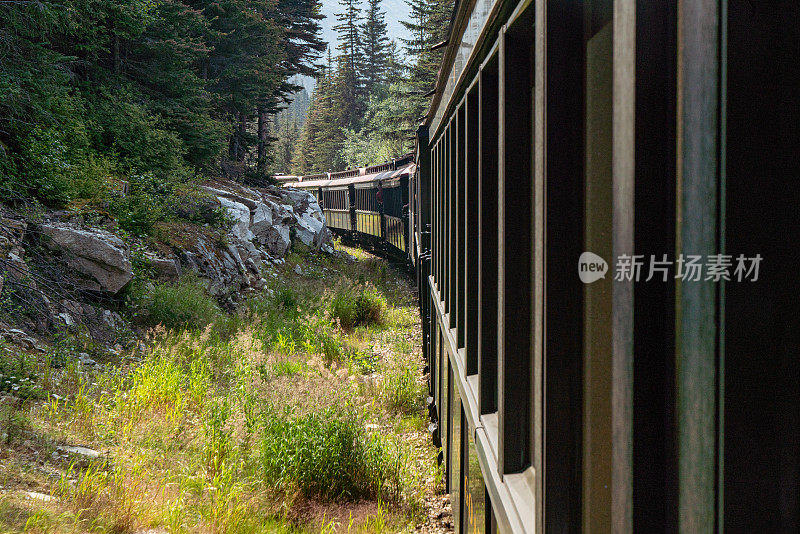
{"x":369,"y":205}
{"x":577,"y":158}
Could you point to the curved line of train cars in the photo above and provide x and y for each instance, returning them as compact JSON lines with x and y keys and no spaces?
{"x":368,"y":205}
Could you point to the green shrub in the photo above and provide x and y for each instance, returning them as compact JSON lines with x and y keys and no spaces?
{"x":327,"y":455}
{"x":177,"y":306}
{"x":287,"y":298}
{"x":19,"y":375}
{"x":359,"y":306}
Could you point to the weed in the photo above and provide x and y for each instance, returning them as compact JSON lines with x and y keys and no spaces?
{"x":12,"y":424}
{"x":287,"y":298}
{"x":324,"y":454}
{"x":178,"y":306}
{"x":401,"y":390}
{"x":19,"y":375}
{"x":357,"y":306}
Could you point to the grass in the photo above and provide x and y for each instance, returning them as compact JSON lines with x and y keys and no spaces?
{"x":184,"y":304}
{"x":357,"y":306}
{"x":303,"y":412}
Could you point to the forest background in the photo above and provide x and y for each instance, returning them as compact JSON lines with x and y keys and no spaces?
{"x":154,"y":95}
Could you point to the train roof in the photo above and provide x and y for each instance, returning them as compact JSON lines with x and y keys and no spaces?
{"x":385,"y":176}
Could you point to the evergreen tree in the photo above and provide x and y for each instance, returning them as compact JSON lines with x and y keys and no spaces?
{"x":375,"y":45}
{"x":320,"y":144}
{"x":350,"y":62}
{"x":150,"y":92}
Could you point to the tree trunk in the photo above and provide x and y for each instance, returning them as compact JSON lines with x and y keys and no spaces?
{"x":233,"y":145}
{"x":116,"y":54}
{"x":263,"y":133}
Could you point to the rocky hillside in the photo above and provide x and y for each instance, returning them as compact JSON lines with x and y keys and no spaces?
{"x":77,"y":268}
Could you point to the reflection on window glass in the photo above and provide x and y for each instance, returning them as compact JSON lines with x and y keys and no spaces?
{"x":474,"y":493}
{"x":455,"y":457}
{"x":477,"y":20}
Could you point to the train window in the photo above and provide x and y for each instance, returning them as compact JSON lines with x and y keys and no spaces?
{"x":436,"y":366}
{"x":452,"y":222}
{"x":487,"y":239}
{"x":440,"y":217}
{"x":472,"y":224}
{"x":444,"y":405}
{"x":654,"y":456}
{"x":435,"y":213}
{"x":474,"y":487}
{"x":564,"y":238}
{"x":434,"y":209}
{"x":444,"y":246}
{"x":460,"y":245}
{"x":761,"y":476}
{"x":597,"y":296}
{"x":454,"y":455}
{"x":515,"y":218}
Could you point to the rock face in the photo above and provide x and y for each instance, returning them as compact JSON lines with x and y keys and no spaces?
{"x":241,"y":218}
{"x":99,"y":256}
{"x":264,"y":221}
{"x":165,"y":269}
{"x":267,"y":216}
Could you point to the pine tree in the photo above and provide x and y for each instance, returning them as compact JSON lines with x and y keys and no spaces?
{"x":350,"y":62}
{"x":429,"y":25}
{"x":319,"y":145}
{"x":375,"y":46}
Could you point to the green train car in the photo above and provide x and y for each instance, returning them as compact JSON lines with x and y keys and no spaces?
{"x":604,"y":225}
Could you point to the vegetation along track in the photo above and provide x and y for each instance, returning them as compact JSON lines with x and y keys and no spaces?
{"x":303,"y":412}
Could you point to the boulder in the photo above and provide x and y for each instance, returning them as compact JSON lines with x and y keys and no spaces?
{"x":101,"y":258}
{"x":165,"y":269}
{"x":222,"y":266}
{"x":276,"y":240}
{"x":261,"y":220}
{"x":240,"y":215}
{"x":242,"y":195}
{"x":271,"y":226}
{"x":17,"y":268}
{"x":310,"y":227}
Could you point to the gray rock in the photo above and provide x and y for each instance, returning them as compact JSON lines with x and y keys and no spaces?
{"x":112,"y":319}
{"x":67,"y":318}
{"x":242,"y":195}
{"x":310,"y":227}
{"x":277,"y":240}
{"x":240,"y":214}
{"x":251,"y":265}
{"x":165,"y":269}
{"x":85,"y":359}
{"x":36,"y":496}
{"x":22,"y":339}
{"x":81,"y":451}
{"x":261,"y":220}
{"x":82,"y":455}
{"x":99,"y":256}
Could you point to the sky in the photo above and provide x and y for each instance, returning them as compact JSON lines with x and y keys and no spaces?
{"x":396,"y":10}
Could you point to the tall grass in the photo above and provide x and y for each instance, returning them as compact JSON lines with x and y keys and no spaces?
{"x":184,"y":304}
{"x":357,"y":306}
{"x":238,"y":425}
{"x":325,"y":454}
